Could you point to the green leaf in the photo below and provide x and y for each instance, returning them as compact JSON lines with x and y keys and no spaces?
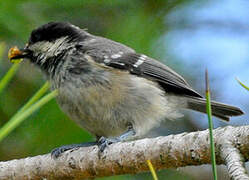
{"x":27,"y":110}
{"x":243,"y":85}
{"x":210,"y":124}
{"x":8,"y":76}
{"x":2,"y":48}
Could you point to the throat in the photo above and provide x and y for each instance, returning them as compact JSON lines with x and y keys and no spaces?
{"x":49,"y":65}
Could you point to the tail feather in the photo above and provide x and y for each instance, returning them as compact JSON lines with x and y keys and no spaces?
{"x":220,"y":110}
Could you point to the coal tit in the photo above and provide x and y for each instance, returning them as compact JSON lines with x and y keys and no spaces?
{"x":109,"y":89}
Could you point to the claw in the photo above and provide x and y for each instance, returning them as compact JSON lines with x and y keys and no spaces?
{"x":105,"y":142}
{"x":55,"y":153}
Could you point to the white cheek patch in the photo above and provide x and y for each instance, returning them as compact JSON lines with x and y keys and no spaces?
{"x":49,"y":48}
{"x":140,"y":61}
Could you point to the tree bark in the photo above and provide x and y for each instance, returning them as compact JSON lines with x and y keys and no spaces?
{"x":231,"y":143}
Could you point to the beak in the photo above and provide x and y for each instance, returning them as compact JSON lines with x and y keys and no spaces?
{"x":17,"y":55}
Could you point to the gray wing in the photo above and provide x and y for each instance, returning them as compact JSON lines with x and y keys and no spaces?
{"x":149,"y":68}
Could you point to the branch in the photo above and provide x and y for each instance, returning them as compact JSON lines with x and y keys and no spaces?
{"x":172,"y":151}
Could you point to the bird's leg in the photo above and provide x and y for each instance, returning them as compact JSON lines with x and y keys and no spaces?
{"x":103,"y":142}
{"x":55,"y":153}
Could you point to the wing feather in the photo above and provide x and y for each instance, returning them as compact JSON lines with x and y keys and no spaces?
{"x":147,"y":67}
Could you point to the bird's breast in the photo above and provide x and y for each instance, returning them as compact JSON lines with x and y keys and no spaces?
{"x":107,"y":109}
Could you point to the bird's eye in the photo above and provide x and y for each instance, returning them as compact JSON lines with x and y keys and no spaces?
{"x":36,"y":37}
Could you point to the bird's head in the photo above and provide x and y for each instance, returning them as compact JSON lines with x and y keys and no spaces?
{"x":49,"y":43}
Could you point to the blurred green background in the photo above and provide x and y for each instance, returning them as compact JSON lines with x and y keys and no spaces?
{"x":147,"y":26}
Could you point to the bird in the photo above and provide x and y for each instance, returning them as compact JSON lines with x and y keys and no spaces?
{"x":108,"y":88}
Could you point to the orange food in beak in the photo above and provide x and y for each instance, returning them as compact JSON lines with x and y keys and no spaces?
{"x":14,"y":52}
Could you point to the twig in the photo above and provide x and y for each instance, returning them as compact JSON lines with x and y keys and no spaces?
{"x":130,"y":157}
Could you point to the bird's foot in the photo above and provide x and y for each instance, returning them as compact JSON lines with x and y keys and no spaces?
{"x":105,"y":142}
{"x":55,"y":153}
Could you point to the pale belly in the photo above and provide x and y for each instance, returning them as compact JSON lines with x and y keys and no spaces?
{"x":109,"y":111}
